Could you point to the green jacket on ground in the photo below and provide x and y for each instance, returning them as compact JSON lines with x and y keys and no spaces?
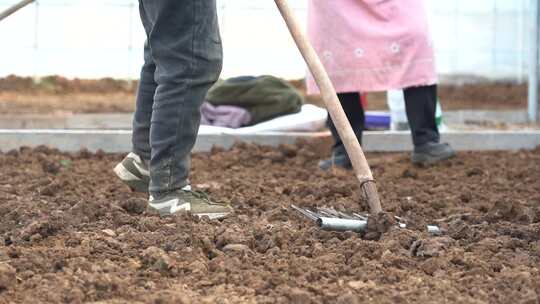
{"x":265,"y":97}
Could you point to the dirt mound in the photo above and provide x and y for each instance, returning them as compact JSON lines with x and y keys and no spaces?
{"x":456,"y":93}
{"x":71,"y":232}
{"x":58,"y":94}
{"x":59,"y":85}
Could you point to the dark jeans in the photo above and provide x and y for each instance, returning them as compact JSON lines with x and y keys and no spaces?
{"x":182,"y":59}
{"x":420,"y":105}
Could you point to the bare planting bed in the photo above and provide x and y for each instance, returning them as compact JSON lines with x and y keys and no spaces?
{"x":73,"y":233}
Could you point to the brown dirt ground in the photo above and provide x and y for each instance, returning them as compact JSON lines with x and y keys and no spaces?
{"x":478,"y":95}
{"x":58,"y":94}
{"x":73,"y":233}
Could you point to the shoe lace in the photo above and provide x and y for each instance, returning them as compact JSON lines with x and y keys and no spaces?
{"x":200,"y":195}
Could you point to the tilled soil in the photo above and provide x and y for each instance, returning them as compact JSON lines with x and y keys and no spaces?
{"x":73,"y":233}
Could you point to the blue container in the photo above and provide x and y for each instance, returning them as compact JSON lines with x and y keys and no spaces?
{"x":376,"y":120}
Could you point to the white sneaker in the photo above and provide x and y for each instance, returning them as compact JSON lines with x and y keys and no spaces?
{"x":195,"y":202}
{"x":133,"y":171}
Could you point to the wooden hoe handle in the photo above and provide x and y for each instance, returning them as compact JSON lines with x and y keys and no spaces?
{"x":358,"y":159}
{"x":14,"y":8}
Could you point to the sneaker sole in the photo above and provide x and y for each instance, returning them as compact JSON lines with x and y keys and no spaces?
{"x":422,"y":160}
{"x":213,"y":216}
{"x":166,"y":211}
{"x":130,"y":179}
{"x":326,"y":166}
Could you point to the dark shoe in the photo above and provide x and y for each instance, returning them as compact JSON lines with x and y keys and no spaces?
{"x":133,"y":171}
{"x":432,"y":153}
{"x":339,"y":159}
{"x":195,"y":202}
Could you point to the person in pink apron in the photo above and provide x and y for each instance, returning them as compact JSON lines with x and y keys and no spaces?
{"x":378,"y":45}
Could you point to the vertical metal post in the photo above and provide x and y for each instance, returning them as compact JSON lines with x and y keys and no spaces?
{"x":455,"y":57}
{"x":494,"y":48}
{"x":130,"y":44}
{"x":37,"y":79}
{"x":533,"y":62}
{"x":522,"y":21}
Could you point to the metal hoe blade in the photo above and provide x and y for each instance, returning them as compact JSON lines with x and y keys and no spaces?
{"x":332,"y":220}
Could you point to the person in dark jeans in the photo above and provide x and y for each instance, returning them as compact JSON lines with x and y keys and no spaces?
{"x":420,"y":105}
{"x":182,"y":60}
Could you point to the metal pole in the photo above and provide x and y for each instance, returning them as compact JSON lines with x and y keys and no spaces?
{"x":14,"y":8}
{"x":533,"y":62}
{"x":37,"y":79}
{"x":455,"y":55}
{"x":130,"y":44}
{"x":494,"y":49}
{"x":521,"y":36}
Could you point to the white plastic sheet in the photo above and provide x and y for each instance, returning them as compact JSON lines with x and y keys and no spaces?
{"x":310,"y":119}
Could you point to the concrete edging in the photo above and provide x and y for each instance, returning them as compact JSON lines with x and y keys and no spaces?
{"x":119,"y":141}
{"x":460,"y":140}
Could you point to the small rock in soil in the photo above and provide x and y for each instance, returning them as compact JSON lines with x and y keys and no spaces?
{"x":157,"y":259}
{"x":134,"y":205}
{"x":50,"y":167}
{"x":379,"y":224}
{"x":274,"y":156}
{"x":474,"y":172}
{"x":466,"y":197}
{"x":8,"y":241}
{"x":84,"y":154}
{"x":263,"y":243}
{"x":13,"y":152}
{"x":231,"y":235}
{"x":41,"y":229}
{"x":288,"y":150}
{"x":51,"y":189}
{"x":408,"y":173}
{"x":236,"y":248}
{"x":299,"y":296}
{"x":358,"y":285}
{"x":109,"y":232}
{"x":535,"y":214}
{"x":45,"y":150}
{"x":458,"y":229}
{"x":504,"y":210}
{"x":8,"y":276}
{"x":348,"y":299}
{"x":431,"y":247}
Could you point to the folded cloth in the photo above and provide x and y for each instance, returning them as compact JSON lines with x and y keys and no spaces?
{"x":224,"y":116}
{"x":265,"y":97}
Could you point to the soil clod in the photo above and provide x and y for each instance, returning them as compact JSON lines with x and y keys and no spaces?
{"x":135,"y":205}
{"x":8,"y":277}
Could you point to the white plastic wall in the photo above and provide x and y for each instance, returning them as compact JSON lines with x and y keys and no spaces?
{"x":81,"y":38}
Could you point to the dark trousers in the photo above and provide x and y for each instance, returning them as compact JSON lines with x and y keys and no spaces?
{"x":420,"y":105}
{"x":182,"y":59}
